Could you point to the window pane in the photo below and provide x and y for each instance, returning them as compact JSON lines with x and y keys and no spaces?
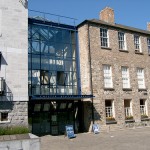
{"x":4,"y":116}
{"x":107,"y":76}
{"x":125,"y":77}
{"x":140,"y":76}
{"x":35,"y":61}
{"x":60,"y":78}
{"x":104,"y":38}
{"x":37,"y":107}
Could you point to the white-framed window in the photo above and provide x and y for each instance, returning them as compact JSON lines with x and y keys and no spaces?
{"x":107,"y":76}
{"x":148,"y":45}
{"x":3,"y":117}
{"x":143,"y":107}
{"x":137,"y":43}
{"x":109,"y":109}
{"x":128,"y":109}
{"x":104,"y":37}
{"x":140,"y":77}
{"x":125,"y":77}
{"x":122,"y":40}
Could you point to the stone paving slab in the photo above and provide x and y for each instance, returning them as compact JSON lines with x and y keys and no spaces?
{"x":131,"y":139}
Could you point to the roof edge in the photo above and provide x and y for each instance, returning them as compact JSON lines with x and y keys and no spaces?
{"x":119,"y":26}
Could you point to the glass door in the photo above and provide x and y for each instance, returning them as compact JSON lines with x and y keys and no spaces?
{"x":54,"y":124}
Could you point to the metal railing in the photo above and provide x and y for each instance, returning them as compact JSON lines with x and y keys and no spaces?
{"x":44,"y":16}
{"x":127,"y":111}
{"x":143,"y":109}
{"x":109,"y":112}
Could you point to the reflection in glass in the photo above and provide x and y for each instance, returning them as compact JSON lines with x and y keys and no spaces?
{"x":69,"y":105}
{"x":35,"y":47}
{"x":46,"y":107}
{"x":37,"y":107}
{"x":35,"y":61}
{"x":52,"y":64}
{"x":63,"y":105}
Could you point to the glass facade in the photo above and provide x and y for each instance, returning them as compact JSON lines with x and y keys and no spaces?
{"x":52,"y":60}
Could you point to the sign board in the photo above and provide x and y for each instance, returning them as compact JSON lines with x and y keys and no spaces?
{"x":36,"y":97}
{"x":96,"y":128}
{"x":70,"y":131}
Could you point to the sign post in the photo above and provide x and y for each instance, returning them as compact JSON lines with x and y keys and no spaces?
{"x":96,"y":128}
{"x":70,"y":131}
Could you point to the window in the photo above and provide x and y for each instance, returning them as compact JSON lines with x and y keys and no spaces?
{"x":37,"y":107}
{"x":121,"y":39}
{"x":125,"y":77}
{"x":148,"y":43}
{"x":107,"y":76}
{"x":137,"y":43}
{"x":61,"y":76}
{"x":140,"y":77}
{"x":143,"y":108}
{"x":3,"y":116}
{"x":44,"y":77}
{"x":109,"y":109}
{"x":128,"y":109}
{"x":104,"y":37}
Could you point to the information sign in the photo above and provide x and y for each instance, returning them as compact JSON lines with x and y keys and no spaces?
{"x":96,"y":128}
{"x":70,"y":131}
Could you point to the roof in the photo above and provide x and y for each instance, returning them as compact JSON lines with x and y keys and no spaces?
{"x":118,"y":26}
{"x":43,"y":21}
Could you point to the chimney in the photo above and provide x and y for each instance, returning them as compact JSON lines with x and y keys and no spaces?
{"x":148,"y":26}
{"x":107,"y":15}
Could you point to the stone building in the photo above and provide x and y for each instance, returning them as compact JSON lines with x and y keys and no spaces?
{"x":39,"y":72}
{"x":115,"y":68}
{"x":14,"y":63}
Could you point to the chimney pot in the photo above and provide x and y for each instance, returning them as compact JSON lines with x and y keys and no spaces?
{"x":148,"y":26}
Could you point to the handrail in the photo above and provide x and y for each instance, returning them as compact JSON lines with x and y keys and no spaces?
{"x":45,"y":14}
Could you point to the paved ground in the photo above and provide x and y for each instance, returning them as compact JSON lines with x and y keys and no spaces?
{"x":129,"y":139}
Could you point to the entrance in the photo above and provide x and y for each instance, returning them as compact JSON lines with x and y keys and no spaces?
{"x":52,"y":117}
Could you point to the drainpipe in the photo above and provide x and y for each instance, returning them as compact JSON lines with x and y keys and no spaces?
{"x":91,"y":85}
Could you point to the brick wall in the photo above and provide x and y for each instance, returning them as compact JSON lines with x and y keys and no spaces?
{"x":116,"y":59}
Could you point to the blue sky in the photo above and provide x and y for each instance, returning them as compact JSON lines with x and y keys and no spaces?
{"x":135,"y":13}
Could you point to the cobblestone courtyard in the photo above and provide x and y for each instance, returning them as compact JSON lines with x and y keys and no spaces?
{"x":129,"y":139}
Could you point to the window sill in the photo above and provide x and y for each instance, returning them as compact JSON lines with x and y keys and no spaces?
{"x":140,"y":53}
{"x":111,"y":122}
{"x":145,"y":119}
{"x":107,"y":48}
{"x":1,"y":122}
{"x":109,"y":89}
{"x":122,"y":50}
{"x":142,"y":90}
{"x":127,"y":89}
{"x":129,"y":120}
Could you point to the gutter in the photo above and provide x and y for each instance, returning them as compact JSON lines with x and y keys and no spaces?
{"x":91,"y":85}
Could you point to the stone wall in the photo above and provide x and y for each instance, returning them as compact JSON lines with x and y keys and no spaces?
{"x":116,"y":59}
{"x":14,"y":58}
{"x":17,"y":113}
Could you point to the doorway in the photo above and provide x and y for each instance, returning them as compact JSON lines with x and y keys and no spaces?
{"x":52,"y":117}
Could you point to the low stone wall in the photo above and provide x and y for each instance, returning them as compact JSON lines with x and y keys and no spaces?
{"x":20,"y":142}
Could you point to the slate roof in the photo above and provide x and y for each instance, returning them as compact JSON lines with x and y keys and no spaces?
{"x":118,"y":26}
